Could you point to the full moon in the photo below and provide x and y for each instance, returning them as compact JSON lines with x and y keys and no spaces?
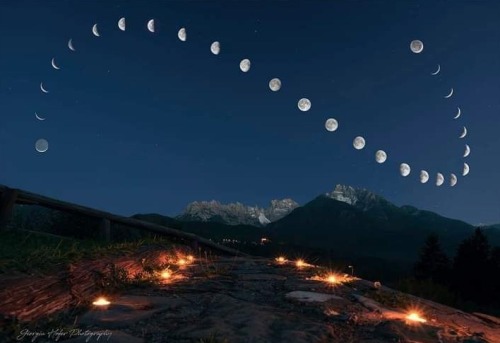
{"x":404,"y":169}
{"x":182,"y":34}
{"x":215,"y":48}
{"x":42,"y":145}
{"x":424,"y":176}
{"x":304,"y":104}
{"x":245,"y":65}
{"x":416,"y":46}
{"x":275,"y":84}
{"x":380,"y":156}
{"x":331,"y":124}
{"x":359,"y":143}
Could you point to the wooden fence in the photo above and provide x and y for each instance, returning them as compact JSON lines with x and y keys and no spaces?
{"x":9,"y":197}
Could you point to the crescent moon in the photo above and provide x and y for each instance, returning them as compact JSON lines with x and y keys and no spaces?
{"x":54,"y":64}
{"x":43,"y":89}
{"x":95,"y":31}
{"x":453,"y":180}
{"x":437,"y":71}
{"x":151,"y":25}
{"x":467,"y":150}
{"x":464,"y":133}
{"x":449,"y":95}
{"x":466,"y":169}
{"x":70,"y":45}
{"x":458,"y":113}
{"x":122,"y":25}
{"x":38,"y":117}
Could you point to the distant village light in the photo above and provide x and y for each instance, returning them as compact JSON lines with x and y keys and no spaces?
{"x":415,"y":317}
{"x":101,"y":302}
{"x":166,"y":274}
{"x":281,"y":259}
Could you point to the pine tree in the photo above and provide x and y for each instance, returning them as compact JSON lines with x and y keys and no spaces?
{"x":433,"y":263}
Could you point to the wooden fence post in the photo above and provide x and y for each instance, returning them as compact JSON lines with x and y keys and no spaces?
{"x":105,"y":228}
{"x":7,"y":202}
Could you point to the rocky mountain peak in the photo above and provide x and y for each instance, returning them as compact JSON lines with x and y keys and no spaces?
{"x":357,"y":197}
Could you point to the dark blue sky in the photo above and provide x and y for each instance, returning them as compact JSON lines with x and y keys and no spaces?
{"x":142,"y":122}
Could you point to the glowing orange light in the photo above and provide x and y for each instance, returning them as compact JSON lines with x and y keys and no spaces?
{"x":281,"y":259}
{"x":331,"y":278}
{"x":190,"y":258}
{"x":166,"y":274}
{"x":101,"y":301}
{"x":181,"y":262}
{"x":300,"y":263}
{"x":415,"y":317}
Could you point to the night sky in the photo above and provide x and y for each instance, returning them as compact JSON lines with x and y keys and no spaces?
{"x":143,"y":122}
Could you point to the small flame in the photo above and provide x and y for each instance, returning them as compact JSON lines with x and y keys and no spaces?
{"x":415,"y":317}
{"x":101,"y":301}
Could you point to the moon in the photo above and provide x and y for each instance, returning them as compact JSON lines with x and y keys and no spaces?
{"x":42,"y":145}
{"x":404,"y":169}
{"x":380,"y":156}
{"x":151,"y":25}
{"x":275,"y":84}
{"x":95,"y":31}
{"x":245,"y":65}
{"x":42,"y":88}
{"x":424,"y":176}
{"x":459,"y":112}
{"x":467,"y":150}
{"x":416,"y":46}
{"x":331,"y":124}
{"x":122,"y":25}
{"x":70,"y":45}
{"x":439,"y":179}
{"x":437,"y":71}
{"x":359,"y":143}
{"x":464,"y":133}
{"x":453,"y":180}
{"x":182,"y":34}
{"x":54,"y":65}
{"x":449,"y":95}
{"x":304,"y":104}
{"x":466,"y":169}
{"x":38,"y":117}
{"x":215,"y":48}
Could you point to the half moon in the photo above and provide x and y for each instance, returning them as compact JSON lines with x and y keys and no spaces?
{"x":70,"y":45}
{"x":449,"y":95}
{"x":182,"y":34}
{"x":466,"y":169}
{"x":424,"y":176}
{"x":122,"y":24}
{"x":151,"y":25}
{"x":464,"y":133}
{"x":215,"y":48}
{"x":404,"y":169}
{"x":437,"y":71}
{"x":95,"y":31}
{"x":38,"y":117}
{"x":54,"y":65}
{"x":42,"y":88}
{"x":453,"y":180}
{"x":458,"y":113}
{"x":467,"y":150}
{"x":439,"y":179}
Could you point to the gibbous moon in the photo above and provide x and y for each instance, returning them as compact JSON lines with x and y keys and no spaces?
{"x":38,"y":117}
{"x":95,"y":31}
{"x":464,"y":133}
{"x":424,"y":176}
{"x":215,"y":48}
{"x":70,"y":45}
{"x":122,"y":25}
{"x":467,"y":150}
{"x":380,"y":156}
{"x":245,"y":65}
{"x":449,"y":95}
{"x":416,"y":46}
{"x":404,"y":169}
{"x":331,"y":124}
{"x":304,"y":104}
{"x":453,"y":180}
{"x":54,"y":65}
{"x":151,"y":25}
{"x":42,"y":145}
{"x":466,"y":169}
{"x":439,"y":179}
{"x":42,"y":88}
{"x":182,"y":34}
{"x":359,"y":143}
{"x":459,"y":112}
{"x":437,"y":71}
{"x":275,"y":84}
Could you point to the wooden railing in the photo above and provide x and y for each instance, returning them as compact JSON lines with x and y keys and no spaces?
{"x":9,"y":197}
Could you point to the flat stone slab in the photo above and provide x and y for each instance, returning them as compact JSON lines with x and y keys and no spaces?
{"x":304,"y":296}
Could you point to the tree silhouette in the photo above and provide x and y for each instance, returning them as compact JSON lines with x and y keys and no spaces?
{"x":433,"y":263}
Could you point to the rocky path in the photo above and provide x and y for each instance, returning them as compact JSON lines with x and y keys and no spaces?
{"x":258,"y":300}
